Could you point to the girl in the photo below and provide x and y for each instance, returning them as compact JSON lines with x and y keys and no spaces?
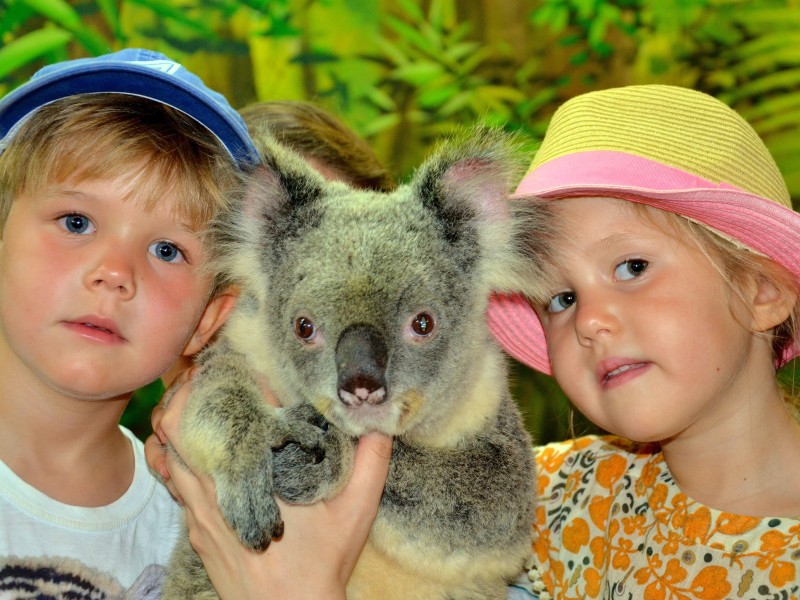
{"x":676,"y":303}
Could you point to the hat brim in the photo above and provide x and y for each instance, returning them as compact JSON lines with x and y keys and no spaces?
{"x":122,"y":77}
{"x":758,"y":223}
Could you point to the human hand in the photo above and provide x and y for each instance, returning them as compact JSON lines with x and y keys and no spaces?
{"x":340,"y":525}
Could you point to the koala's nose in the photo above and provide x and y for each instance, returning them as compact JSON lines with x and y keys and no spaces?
{"x":361,"y":359}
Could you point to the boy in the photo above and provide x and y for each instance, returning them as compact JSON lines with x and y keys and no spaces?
{"x":110,"y":168}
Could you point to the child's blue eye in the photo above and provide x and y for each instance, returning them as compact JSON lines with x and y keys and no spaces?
{"x":166,"y":251}
{"x":630,"y":269}
{"x":77,"y":223}
{"x":561,"y":302}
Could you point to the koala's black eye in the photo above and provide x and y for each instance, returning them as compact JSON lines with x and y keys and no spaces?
{"x":304,"y":328}
{"x":422,"y":324}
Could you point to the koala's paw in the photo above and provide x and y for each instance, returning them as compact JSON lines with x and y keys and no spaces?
{"x":304,"y":474}
{"x":249,"y":506}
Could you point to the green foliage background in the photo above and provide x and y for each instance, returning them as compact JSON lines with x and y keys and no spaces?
{"x":403,"y":72}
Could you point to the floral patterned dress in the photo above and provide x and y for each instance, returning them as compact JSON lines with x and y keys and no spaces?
{"x":612,"y":523}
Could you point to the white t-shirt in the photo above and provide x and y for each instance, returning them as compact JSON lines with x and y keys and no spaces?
{"x":113,"y":551}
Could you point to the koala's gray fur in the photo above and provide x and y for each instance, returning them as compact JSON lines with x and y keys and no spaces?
{"x":456,"y":513}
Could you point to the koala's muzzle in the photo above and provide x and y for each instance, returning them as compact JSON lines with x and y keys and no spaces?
{"x":361,"y":366}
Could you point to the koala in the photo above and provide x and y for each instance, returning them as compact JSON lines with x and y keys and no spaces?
{"x":364,"y":311}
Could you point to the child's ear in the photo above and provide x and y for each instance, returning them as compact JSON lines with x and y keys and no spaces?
{"x":213,"y":317}
{"x":772,"y":304}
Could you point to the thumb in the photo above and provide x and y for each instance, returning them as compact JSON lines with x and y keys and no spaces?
{"x":371,"y":466}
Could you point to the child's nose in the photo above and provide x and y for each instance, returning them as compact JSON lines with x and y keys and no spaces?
{"x":113,"y":271}
{"x":596,"y":317}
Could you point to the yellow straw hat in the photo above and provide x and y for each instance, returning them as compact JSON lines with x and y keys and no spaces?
{"x":669,"y":147}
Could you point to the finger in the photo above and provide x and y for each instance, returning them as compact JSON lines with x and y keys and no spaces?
{"x":171,"y":415}
{"x":154,"y":455}
{"x":370,"y":469}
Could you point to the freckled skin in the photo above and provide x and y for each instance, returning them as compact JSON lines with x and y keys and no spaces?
{"x":356,"y":265}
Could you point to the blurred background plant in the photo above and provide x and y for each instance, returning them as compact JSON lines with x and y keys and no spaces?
{"x":403,"y":73}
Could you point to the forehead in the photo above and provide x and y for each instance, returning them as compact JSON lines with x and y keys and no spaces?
{"x":592,"y":225}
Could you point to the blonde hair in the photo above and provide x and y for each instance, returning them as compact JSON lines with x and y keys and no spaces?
{"x":164,"y":154}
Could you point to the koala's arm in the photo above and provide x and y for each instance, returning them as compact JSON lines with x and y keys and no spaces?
{"x":477,"y":497}
{"x":229,"y":432}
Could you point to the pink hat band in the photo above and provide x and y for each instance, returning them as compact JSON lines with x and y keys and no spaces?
{"x":764,"y":225}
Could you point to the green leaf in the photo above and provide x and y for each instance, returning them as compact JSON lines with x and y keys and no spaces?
{"x":783,"y":121}
{"x":419,"y":73}
{"x":770,"y":106}
{"x":412,"y":9}
{"x":380,"y":99}
{"x":409,"y":34}
{"x":442,"y":14}
{"x":382,"y":123}
{"x":25,"y":49}
{"x":780,"y":81}
{"x":434,"y":98}
{"x":767,"y":19}
{"x":391,"y":51}
{"x":458,"y":51}
{"x":111,"y":14}
{"x":455,"y":104}
{"x":168,"y":10}
{"x":13,"y":16}
{"x":57,"y":11}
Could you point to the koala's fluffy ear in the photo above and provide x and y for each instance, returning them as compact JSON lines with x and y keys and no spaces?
{"x":466,"y":183}
{"x":282,"y":183}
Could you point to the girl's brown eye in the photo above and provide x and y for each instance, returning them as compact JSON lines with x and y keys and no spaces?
{"x":304,"y":328}
{"x":422,"y":324}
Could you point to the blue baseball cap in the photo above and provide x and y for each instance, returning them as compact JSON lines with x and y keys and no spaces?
{"x":136,"y":72}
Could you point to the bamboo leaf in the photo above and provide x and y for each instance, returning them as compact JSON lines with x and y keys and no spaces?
{"x":23,"y":50}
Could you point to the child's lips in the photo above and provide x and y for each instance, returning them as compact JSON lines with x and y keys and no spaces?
{"x":618,"y":370}
{"x":97,"y":328}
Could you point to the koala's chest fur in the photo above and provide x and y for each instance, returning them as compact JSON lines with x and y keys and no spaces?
{"x":365,"y":312}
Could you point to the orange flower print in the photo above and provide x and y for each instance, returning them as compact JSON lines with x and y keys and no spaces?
{"x":621,"y":556}
{"x":648,"y":478}
{"x":599,"y":509}
{"x":782,"y":573}
{"x":635,"y":524}
{"x":610,"y":470}
{"x":575,"y":535}
{"x":593,"y":581}
{"x":711,"y":583}
{"x":549,"y":460}
{"x":735,"y":524}
{"x":697,"y":525}
{"x":599,"y":549}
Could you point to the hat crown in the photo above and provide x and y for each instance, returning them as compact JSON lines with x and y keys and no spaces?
{"x":679,"y":127}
